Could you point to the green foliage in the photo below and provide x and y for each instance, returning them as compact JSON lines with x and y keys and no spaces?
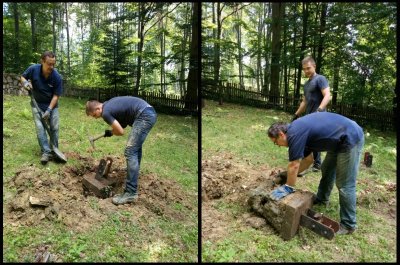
{"x":358,"y":40}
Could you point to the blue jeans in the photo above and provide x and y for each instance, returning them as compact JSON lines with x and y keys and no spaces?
{"x":342,"y":168}
{"x":41,"y":132}
{"x":317,"y":158}
{"x":133,"y":151}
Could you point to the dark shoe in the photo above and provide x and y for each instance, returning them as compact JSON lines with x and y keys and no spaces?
{"x":126,"y":197}
{"x":319,"y":202}
{"x":45,"y":158}
{"x":345,"y":231}
{"x":316,"y":168}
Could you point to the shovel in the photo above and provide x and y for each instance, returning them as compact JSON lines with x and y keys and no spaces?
{"x":58,"y":153}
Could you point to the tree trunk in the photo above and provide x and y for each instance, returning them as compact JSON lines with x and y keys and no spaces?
{"x":295,"y":91}
{"x":33,"y":27}
{"x":240,"y":56}
{"x":217,"y":53}
{"x":335,"y":83}
{"x":193,"y":77}
{"x":140,"y":48}
{"x":60,"y":28}
{"x":259,"y":35}
{"x":162,"y":48}
{"x":67,"y":27}
{"x":266,"y":54}
{"x":303,"y":47}
{"x":183,"y":49}
{"x":277,"y":16}
{"x":285,"y":74}
{"x":54,"y":27}
{"x":321,"y":37}
{"x":16,"y":44}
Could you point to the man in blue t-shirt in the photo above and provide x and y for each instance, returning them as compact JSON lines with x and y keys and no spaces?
{"x":120,"y":112}
{"x":343,"y":141}
{"x":45,"y":84}
{"x":316,"y":97}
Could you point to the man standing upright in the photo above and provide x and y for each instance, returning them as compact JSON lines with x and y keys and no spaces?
{"x":45,"y":84}
{"x":316,"y":97}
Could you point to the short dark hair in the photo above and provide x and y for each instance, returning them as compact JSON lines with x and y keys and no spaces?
{"x":91,"y":105}
{"x":47,"y":54}
{"x":275,"y":128}
{"x":308,"y":59}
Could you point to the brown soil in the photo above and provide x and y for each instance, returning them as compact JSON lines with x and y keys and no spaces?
{"x":66,"y":201}
{"x":227,"y":181}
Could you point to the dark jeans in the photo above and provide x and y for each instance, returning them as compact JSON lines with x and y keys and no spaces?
{"x":317,"y":158}
{"x":133,"y":151}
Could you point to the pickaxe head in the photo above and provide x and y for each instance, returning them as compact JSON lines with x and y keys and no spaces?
{"x":92,"y":139}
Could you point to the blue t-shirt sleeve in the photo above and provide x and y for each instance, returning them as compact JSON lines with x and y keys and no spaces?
{"x":107,"y":117}
{"x":322,"y":82}
{"x":28,"y":73}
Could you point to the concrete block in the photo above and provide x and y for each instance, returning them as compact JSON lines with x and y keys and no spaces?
{"x":284,"y":215}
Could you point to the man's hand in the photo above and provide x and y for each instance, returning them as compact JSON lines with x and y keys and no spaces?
{"x":280,"y":178}
{"x":108,"y":133}
{"x":27,"y":85}
{"x":46,"y":115}
{"x":295,"y":116}
{"x":281,"y":192}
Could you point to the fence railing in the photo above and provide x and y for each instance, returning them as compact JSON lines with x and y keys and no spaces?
{"x":363,"y":115}
{"x":166,"y":103}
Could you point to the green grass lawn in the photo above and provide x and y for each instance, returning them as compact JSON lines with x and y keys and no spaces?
{"x":170,"y":152}
{"x":241,"y":132}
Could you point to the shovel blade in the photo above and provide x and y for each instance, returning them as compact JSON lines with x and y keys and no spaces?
{"x":59,"y":154}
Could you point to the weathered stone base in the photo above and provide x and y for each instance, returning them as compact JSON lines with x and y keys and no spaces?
{"x":284,"y":215}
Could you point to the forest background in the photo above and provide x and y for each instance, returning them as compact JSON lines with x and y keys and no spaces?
{"x":144,"y":46}
{"x":259,"y":48}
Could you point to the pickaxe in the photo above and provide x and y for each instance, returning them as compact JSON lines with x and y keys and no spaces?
{"x":92,"y":139}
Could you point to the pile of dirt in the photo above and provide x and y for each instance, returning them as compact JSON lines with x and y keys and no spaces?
{"x":227,"y":181}
{"x":42,"y":196}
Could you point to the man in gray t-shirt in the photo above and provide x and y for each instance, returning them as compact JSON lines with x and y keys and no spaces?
{"x":120,"y":112}
{"x":316,"y":97}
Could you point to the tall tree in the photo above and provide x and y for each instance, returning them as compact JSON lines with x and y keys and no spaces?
{"x":277,"y":16}
{"x":239,"y":45}
{"x":267,"y":49}
{"x":193,"y":80}
{"x":302,"y":53}
{"x":321,"y":36}
{"x":67,"y":28}
{"x":16,"y":39}
{"x":33,"y":27}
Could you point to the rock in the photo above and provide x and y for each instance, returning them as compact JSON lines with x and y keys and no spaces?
{"x":256,"y":222}
{"x":34,"y":201}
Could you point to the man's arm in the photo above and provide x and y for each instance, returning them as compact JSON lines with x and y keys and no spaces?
{"x":296,"y":166}
{"x":25,"y":83}
{"x":327,"y":97}
{"x":54,"y":101}
{"x":117,"y":128}
{"x":302,"y":107}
